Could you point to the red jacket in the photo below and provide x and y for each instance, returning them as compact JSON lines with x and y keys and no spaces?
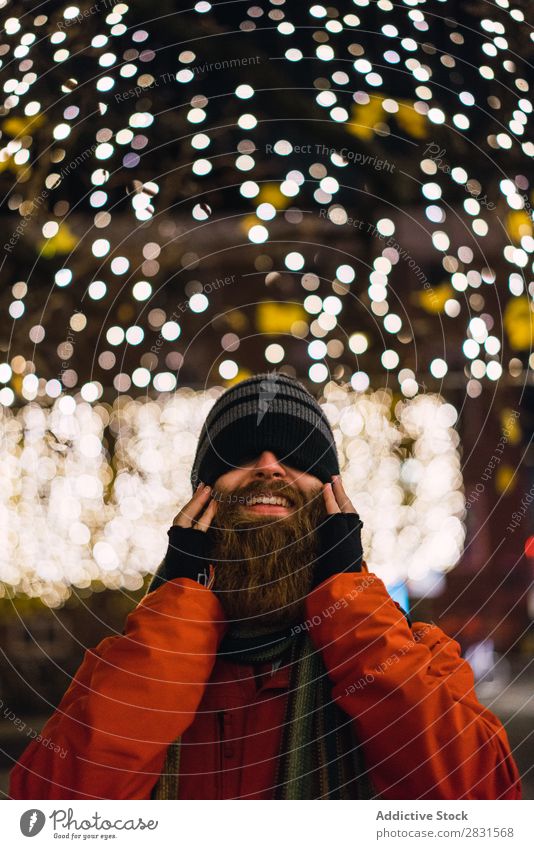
{"x":423,"y":732}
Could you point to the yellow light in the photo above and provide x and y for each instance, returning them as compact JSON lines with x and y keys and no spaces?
{"x":273,"y":317}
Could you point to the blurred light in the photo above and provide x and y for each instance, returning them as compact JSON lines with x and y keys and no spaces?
{"x":494,"y":370}
{"x":164,"y":381}
{"x":198,"y":302}
{"x":452,"y":307}
{"x":345,"y":273}
{"x":385,"y":226}
{"x":289,"y":188}
{"x":358,"y":343}
{"x":478,"y":329}
{"x":115,"y":335}
{"x":141,"y":377}
{"x":266,"y":211}
{"x":471,"y":348}
{"x":258,"y":233}
{"x":392,"y":323}
{"x":318,"y":372}
{"x":63,"y":277}
{"x":294,"y":261}
{"x":100,"y":247}
{"x":313,"y":304}
{"x":244,"y":91}
{"x":389,"y":359}
{"x":249,"y":189}
{"x":438,"y":368}
{"x":200,"y":141}
{"x":359,"y":381}
{"x":274,"y":353}
{"x":170,"y":330}
{"x":332,"y":305}
{"x":228,"y":369}
{"x":317,"y":349}
{"x":134,"y":335}
{"x":142,"y":290}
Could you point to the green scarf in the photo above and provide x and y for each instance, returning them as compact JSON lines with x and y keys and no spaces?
{"x":319,"y":755}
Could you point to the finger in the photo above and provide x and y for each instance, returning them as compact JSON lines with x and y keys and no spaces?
{"x":329,"y":498}
{"x":342,"y":498}
{"x":203,"y":523}
{"x":191,"y":510}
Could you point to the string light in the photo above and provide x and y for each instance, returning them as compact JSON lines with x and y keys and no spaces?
{"x":100,"y":518}
{"x":276,"y":189}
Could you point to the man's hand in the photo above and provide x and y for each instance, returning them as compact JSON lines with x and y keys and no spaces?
{"x":340,"y":545}
{"x":336,"y":499}
{"x":190,"y":540}
{"x":192,"y":516}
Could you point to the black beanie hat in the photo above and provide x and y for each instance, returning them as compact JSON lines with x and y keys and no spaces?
{"x":271,"y":412}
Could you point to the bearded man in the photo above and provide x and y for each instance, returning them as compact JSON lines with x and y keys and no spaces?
{"x":266,"y":661}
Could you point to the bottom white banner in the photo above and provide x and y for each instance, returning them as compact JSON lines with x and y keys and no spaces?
{"x":239,"y":824}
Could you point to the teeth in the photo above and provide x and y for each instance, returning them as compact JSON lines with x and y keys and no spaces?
{"x":269,"y":499}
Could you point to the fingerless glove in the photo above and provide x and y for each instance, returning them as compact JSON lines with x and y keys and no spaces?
{"x":188,"y":556}
{"x":340,"y":546}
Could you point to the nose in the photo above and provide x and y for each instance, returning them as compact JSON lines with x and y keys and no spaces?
{"x":267,"y":465}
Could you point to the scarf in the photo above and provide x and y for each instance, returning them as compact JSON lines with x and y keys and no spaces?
{"x":320,"y":757}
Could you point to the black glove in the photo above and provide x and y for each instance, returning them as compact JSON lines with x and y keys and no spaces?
{"x":340,"y":546}
{"x":188,"y":556}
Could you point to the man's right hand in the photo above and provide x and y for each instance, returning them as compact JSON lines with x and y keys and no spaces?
{"x":190,"y":541}
{"x":195,"y":513}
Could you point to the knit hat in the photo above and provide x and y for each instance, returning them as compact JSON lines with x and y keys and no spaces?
{"x":271,"y":412}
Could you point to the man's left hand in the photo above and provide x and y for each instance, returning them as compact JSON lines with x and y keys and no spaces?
{"x":336,"y":499}
{"x":339,"y":535}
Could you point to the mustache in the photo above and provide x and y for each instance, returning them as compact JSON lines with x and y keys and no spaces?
{"x":231,"y":507}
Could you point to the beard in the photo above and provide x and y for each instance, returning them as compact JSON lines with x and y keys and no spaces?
{"x":264,"y":563}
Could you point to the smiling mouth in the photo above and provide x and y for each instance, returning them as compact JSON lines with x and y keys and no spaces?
{"x":268,"y":503}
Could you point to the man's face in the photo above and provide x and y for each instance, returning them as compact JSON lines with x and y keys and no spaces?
{"x":265,"y":540}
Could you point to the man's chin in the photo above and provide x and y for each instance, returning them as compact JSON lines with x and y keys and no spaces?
{"x":265,"y":590}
